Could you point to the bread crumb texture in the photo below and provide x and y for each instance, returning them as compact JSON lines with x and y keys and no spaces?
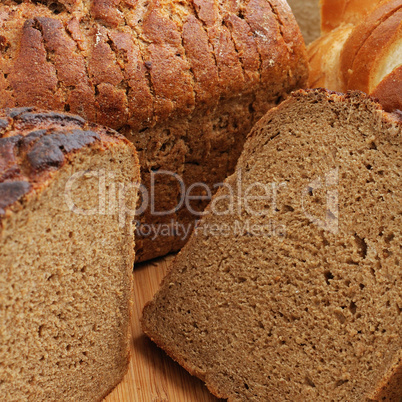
{"x":311,"y":312}
{"x":65,"y":276}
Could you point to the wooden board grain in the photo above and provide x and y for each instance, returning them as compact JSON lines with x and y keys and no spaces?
{"x":152,"y":375}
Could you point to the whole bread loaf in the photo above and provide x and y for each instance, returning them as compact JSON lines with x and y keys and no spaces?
{"x":365,"y":57}
{"x":66,"y":256}
{"x":290,"y":289}
{"x":185,"y":81}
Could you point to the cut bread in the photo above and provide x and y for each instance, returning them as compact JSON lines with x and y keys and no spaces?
{"x":325,"y":58}
{"x":185,"y":81}
{"x":365,"y":57}
{"x":66,"y":256}
{"x":373,"y":49}
{"x":290,"y":289}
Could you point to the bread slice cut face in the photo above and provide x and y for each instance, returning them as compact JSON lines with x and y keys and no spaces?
{"x":290,"y":289}
{"x":66,"y":256}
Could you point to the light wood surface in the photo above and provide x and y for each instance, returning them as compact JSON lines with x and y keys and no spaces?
{"x":153,"y":376}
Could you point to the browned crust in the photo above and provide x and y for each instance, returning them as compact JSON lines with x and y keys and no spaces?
{"x":337,"y":12}
{"x":372,"y":51}
{"x":35,"y":144}
{"x":322,"y":94}
{"x":359,"y":36}
{"x":389,"y":90}
{"x":117,"y":67}
{"x":389,"y":388}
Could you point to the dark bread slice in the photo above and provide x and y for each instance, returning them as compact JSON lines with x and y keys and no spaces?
{"x":295,"y":294}
{"x":66,"y":256}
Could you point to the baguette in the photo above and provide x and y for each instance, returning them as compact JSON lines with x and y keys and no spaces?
{"x":335,"y":13}
{"x":365,"y":57}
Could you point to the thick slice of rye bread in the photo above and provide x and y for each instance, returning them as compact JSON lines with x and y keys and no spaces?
{"x":66,"y":256}
{"x":292,"y":290}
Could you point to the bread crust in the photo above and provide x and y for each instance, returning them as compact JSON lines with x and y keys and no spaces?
{"x":358,"y":38}
{"x":389,"y":90}
{"x":35,"y":144}
{"x":33,"y":33}
{"x":338,"y":12}
{"x":184,"y":81}
{"x":389,"y":388}
{"x":375,"y":49}
{"x":363,"y":57}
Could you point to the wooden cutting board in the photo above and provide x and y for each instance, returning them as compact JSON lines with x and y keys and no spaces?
{"x":152,"y":375}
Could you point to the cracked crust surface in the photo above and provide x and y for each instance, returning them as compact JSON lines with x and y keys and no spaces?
{"x":184,"y":81}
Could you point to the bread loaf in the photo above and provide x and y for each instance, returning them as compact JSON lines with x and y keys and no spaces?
{"x":66,"y":256}
{"x":366,"y":57}
{"x":184,"y":80}
{"x":290,"y":289}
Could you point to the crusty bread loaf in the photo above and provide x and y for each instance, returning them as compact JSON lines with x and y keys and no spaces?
{"x":366,"y":57}
{"x":307,"y":13}
{"x":184,"y":80}
{"x":290,"y":289}
{"x":66,"y":256}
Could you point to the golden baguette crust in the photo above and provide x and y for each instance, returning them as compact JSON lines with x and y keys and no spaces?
{"x":372,"y":52}
{"x":365,"y":57}
{"x":184,"y":81}
{"x":338,"y":12}
{"x":362,"y":34}
{"x":389,"y":90}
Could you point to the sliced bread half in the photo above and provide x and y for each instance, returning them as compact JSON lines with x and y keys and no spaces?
{"x":66,"y":256}
{"x":290,"y":289}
